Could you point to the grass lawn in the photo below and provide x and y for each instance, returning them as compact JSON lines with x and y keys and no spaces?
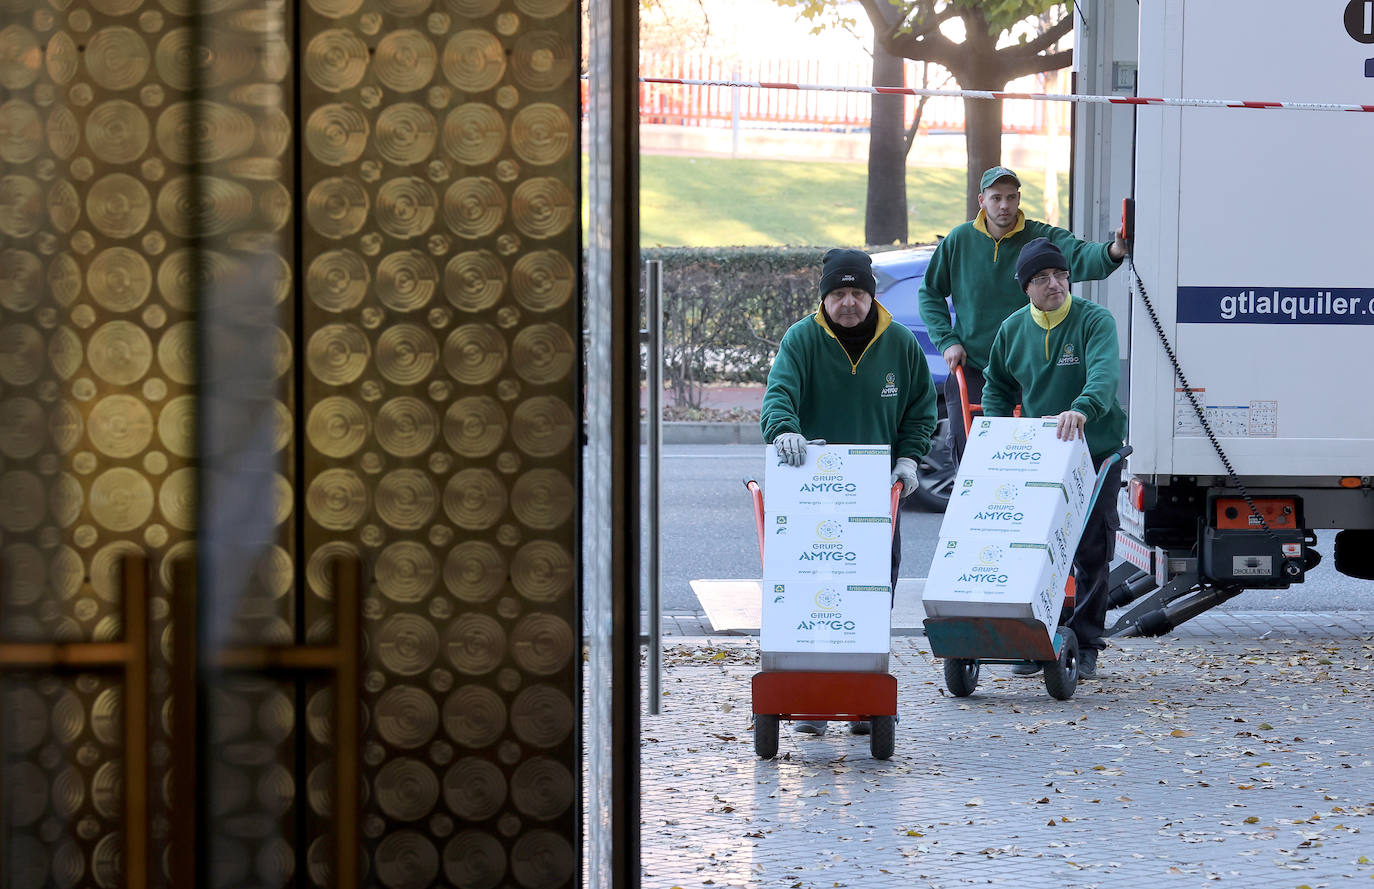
{"x":704,"y":202}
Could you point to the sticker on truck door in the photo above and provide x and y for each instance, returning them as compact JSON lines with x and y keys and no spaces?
{"x":1255,"y":419}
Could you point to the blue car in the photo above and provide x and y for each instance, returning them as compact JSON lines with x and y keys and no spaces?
{"x":899,"y":274}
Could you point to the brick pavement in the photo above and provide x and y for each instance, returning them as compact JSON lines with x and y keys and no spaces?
{"x":1237,"y":752}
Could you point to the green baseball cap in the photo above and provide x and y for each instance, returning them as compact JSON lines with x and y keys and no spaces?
{"x":995,"y":173}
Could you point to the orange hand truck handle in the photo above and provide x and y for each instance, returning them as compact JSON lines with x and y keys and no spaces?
{"x":756,"y":495}
{"x":963,"y":399}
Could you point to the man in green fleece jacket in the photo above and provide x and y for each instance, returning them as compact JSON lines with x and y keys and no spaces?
{"x":847,"y":373}
{"x":1060,"y":354}
{"x":974,"y":268}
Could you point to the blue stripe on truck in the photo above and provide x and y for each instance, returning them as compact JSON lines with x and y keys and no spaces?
{"x":1275,"y":305}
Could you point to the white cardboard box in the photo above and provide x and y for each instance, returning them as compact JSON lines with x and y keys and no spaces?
{"x":816,"y":615}
{"x":1027,"y":449}
{"x":983,"y":576}
{"x":1011,"y":508}
{"x":836,"y":479}
{"x":807,"y":545}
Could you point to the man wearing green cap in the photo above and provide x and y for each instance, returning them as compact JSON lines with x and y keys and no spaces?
{"x":974,"y":270}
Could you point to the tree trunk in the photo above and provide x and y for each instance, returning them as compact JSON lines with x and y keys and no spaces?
{"x":983,"y":140}
{"x":885,"y":214}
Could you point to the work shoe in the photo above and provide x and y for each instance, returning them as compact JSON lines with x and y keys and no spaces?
{"x":1026,"y":669}
{"x":1087,"y":663}
{"x":863,"y":727}
{"x":810,"y":727}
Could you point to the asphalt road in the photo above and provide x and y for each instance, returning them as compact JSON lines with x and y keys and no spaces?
{"x":707,"y":528}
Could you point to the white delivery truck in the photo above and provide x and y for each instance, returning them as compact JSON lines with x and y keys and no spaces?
{"x":1251,"y":308}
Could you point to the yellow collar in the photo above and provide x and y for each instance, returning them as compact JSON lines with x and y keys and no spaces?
{"x":1049,"y":320}
{"x":980,"y":222}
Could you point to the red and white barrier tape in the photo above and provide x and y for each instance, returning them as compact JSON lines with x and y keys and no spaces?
{"x":986,"y":94}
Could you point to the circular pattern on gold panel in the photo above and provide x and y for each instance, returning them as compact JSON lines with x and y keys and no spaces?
{"x":474,"y":353}
{"x":120,"y":353}
{"x":220,"y":207}
{"x":337,"y":280}
{"x":337,"y":207}
{"x":474,"y":499}
{"x":337,"y":499}
{"x":404,"y":60}
{"x":117,"y":131}
{"x":61,"y":57}
{"x":119,"y":279}
{"x":21,"y":206}
{"x":65,"y":501}
{"x":474,"y":860}
{"x":176,"y":352}
{"x":472,"y":8}
{"x":405,"y":207}
{"x":474,"y":207}
{"x":407,"y":645}
{"x":336,"y":133}
{"x":177,"y":499}
{"x":542,"y":643}
{"x":64,"y":206}
{"x":19,"y":52}
{"x":26,"y":574}
{"x":474,"y":716}
{"x":474,"y":133}
{"x":118,"y":205}
{"x":542,"y":788}
{"x":21,"y":354}
{"x":406,"y":859}
{"x":337,"y":354}
{"x":406,"y":280}
{"x":406,"y":133}
{"x":542,"y":60}
{"x":406,"y":353}
{"x":541,"y":716}
{"x":65,"y":426}
{"x":542,"y":426}
{"x":207,"y":130}
{"x":120,"y":426}
{"x":336,"y":60}
{"x":542,"y":859}
{"x":406,"y":717}
{"x":541,"y":9}
{"x":475,"y":644}
{"x":335,"y":9}
{"x":121,"y":499}
{"x":542,"y":499}
{"x":64,"y":134}
{"x":116,"y":58}
{"x":318,"y":571}
{"x":542,"y":207}
{"x":337,"y":426}
{"x":406,"y":427}
{"x":542,"y":353}
{"x":474,"y":426}
{"x":542,"y":571}
{"x":175,"y":275}
{"x":405,"y":570}
{"x":21,"y":132}
{"x":23,"y":428}
{"x":474,"y":280}
{"x":474,"y":789}
{"x":542,"y":133}
{"x":176,"y":425}
{"x":474,"y":571}
{"x":406,"y":789}
{"x":21,"y":280}
{"x":474,"y":60}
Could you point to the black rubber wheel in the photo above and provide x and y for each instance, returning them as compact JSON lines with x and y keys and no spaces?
{"x":884,"y":738}
{"x":937,"y":471}
{"x":961,"y":676}
{"x":1061,"y":676}
{"x":766,"y":735}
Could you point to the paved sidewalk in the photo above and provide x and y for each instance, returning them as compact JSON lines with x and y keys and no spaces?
{"x":1238,"y":752}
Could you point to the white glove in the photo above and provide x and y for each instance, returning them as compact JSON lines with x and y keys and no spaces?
{"x":905,"y":472}
{"x":791,"y":447}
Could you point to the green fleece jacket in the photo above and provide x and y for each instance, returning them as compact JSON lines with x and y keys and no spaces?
{"x":978,"y":275}
{"x":1072,"y":366}
{"x":886,"y":397}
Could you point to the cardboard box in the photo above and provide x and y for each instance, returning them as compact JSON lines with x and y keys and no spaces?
{"x":1015,"y":509}
{"x":1027,"y":449}
{"x":837,"y":479}
{"x":989,"y":576}
{"x":802,"y":546}
{"x":819,"y":616}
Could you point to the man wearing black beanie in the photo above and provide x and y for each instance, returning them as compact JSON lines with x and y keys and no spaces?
{"x":1060,"y":355}
{"x":848,"y":373}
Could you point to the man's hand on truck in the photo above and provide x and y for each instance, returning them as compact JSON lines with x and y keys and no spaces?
{"x":791,"y":447}
{"x":954,"y":356}
{"x":1070,"y":424}
{"x":905,"y":472}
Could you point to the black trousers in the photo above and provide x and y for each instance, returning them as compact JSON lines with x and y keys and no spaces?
{"x":954,"y":407}
{"x":1092,"y":563}
{"x":896,"y":549}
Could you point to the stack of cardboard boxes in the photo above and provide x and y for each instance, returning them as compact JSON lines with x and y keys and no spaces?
{"x":1013,"y":522}
{"x":827,"y":552}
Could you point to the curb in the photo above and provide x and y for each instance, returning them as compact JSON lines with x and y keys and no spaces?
{"x":684,"y":432}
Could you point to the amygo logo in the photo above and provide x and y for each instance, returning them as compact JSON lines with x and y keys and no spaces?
{"x":1003,"y":506}
{"x":828,"y":599}
{"x":1019,"y":449}
{"x":988,"y":567}
{"x":828,"y":547}
{"x":827,"y":615}
{"x":829,"y":477}
{"x":890,"y":389}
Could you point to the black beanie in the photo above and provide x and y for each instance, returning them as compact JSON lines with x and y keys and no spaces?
{"x":847,"y":268}
{"x":1037,"y":256}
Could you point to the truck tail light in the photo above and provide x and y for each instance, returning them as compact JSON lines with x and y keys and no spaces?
{"x":1136,"y":492}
